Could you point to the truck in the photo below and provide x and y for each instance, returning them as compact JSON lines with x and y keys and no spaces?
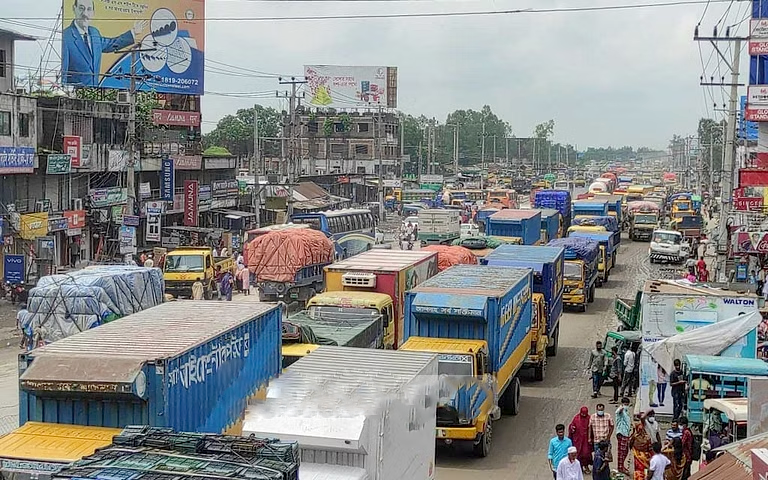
{"x":189,"y":366}
{"x":628,"y":311}
{"x":615,"y":203}
{"x":644,"y":218}
{"x":579,"y":270}
{"x":186,"y":265}
{"x":608,"y":249}
{"x":289,"y":264}
{"x":478,"y":320}
{"x":606,"y":222}
{"x":557,"y":199}
{"x":594,"y":207}
{"x":385,"y":427}
{"x":524,"y":224}
{"x":547,"y":266}
{"x":377,"y":280}
{"x":481,"y":217}
{"x":439,"y":226}
{"x":304,"y":331}
{"x":667,"y":246}
{"x":689,"y":225}
{"x":550,"y":224}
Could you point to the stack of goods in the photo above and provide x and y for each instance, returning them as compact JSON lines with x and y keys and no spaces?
{"x":279,"y":255}
{"x":63,"y":305}
{"x":560,"y":200}
{"x":144,"y":453}
{"x":577,"y":247}
{"x":450,"y":255}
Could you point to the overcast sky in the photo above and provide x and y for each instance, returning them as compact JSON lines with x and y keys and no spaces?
{"x":628,"y":77}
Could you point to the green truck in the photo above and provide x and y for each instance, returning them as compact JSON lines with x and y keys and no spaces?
{"x":439,"y":226}
{"x":628,"y":311}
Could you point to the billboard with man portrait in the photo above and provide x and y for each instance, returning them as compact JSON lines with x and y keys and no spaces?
{"x":167,"y":38}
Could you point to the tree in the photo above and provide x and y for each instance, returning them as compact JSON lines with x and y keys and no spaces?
{"x":711,"y":144}
{"x":544,"y":131}
{"x":235,"y":132}
{"x":470,"y":123}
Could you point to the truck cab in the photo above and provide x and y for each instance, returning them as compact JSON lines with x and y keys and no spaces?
{"x":187,"y":265}
{"x":577,"y":291}
{"x":642,"y":224}
{"x":668,"y":246}
{"x":357,"y":305}
{"x":606,"y":259}
{"x":537,"y":357}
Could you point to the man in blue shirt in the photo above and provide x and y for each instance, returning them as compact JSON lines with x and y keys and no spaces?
{"x":558,"y":448}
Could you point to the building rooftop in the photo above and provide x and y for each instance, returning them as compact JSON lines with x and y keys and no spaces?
{"x":4,"y":32}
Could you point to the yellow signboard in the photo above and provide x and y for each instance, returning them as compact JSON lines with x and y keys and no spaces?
{"x":34,"y":225}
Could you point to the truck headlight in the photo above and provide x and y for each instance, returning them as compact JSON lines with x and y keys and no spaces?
{"x":463,"y":421}
{"x":578,"y":291}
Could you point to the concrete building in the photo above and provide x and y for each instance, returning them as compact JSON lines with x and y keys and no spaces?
{"x":8,"y":39}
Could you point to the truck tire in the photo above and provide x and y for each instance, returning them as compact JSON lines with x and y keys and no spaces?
{"x":540,"y":370}
{"x":510,"y":400}
{"x":552,"y":350}
{"x":591,"y":298}
{"x":583,"y":308}
{"x":483,"y":447}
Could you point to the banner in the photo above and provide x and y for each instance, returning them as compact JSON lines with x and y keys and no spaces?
{"x":17,"y":160}
{"x":169,"y":33}
{"x":73,"y":146}
{"x":154,"y":219}
{"x":75,"y":218}
{"x":750,"y":242}
{"x":59,"y":164}
{"x":34,"y":225}
{"x":105,"y":197}
{"x":57,"y":224}
{"x":167,"y":180}
{"x":748,"y":203}
{"x":145,"y":190}
{"x":179,"y":119}
{"x":747,"y":130}
{"x":190,"y":203}
{"x":345,"y":86}
{"x":127,"y":238}
{"x":13,"y":268}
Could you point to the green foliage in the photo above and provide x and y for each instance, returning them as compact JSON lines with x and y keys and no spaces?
{"x":217,"y":152}
{"x":235,"y":132}
{"x":328,"y":127}
{"x":544,"y":131}
{"x":711,"y":134}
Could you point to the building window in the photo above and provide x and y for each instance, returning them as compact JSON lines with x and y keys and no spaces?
{"x":362,"y":149}
{"x":24,"y":125}
{"x":337,"y":148}
{"x":338,"y":127}
{"x":312,"y":127}
{"x":3,"y":61}
{"x":363,"y":127}
{"x":5,"y":123}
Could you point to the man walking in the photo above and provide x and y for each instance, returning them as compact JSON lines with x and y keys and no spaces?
{"x":569,"y":468}
{"x":617,"y":368}
{"x":597,"y":367}
{"x":558,"y":448}
{"x":677,"y":382}
{"x":659,"y":463}
{"x":623,"y":432}
{"x":687,"y":440}
{"x":629,"y":369}
{"x":601,"y":466}
{"x":600,"y":426}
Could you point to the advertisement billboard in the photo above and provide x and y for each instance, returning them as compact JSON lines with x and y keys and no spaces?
{"x":348,"y":86}
{"x":167,"y":180}
{"x":154,"y":221}
{"x":190,"y":203}
{"x":168,"y":37}
{"x":13,"y":268}
{"x":73,"y":146}
{"x":34,"y":225}
{"x":747,"y":130}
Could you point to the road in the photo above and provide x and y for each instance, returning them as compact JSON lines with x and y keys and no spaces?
{"x":520,"y":443}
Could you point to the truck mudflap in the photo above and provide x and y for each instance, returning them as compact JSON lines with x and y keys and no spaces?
{"x":665,"y":258}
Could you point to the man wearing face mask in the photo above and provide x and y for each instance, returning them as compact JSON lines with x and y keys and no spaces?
{"x":651,"y":426}
{"x":600,"y":426}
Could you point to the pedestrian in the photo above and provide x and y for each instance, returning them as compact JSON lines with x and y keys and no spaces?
{"x":215,"y":252}
{"x":245,"y":281}
{"x":690,"y":262}
{"x":703,"y":275}
{"x":601,"y":465}
{"x":623,"y":433}
{"x":578,"y":432}
{"x":652,"y":426}
{"x":217,"y":279}
{"x":662,"y":379}
{"x":149,"y":262}
{"x":197,"y":290}
{"x":227,"y":284}
{"x":674,"y":430}
{"x":570,"y":468}
{"x":691,"y":276}
{"x":658,"y":464}
{"x":641,"y":444}
{"x":223,"y":252}
{"x":677,"y":384}
{"x":143,"y":258}
{"x":558,"y":448}
{"x":673,"y":450}
{"x":597,"y":367}
{"x":701,"y":265}
{"x":617,"y":367}
{"x":74,"y":253}
{"x":687,"y":441}
{"x":629,"y":369}
{"x":600,"y":426}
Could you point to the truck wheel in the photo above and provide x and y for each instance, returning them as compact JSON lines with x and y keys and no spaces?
{"x":583,"y":308}
{"x":552,"y":351}
{"x":599,"y":282}
{"x":592,"y":294}
{"x":514,"y":408}
{"x":483,"y":447}
{"x":540,"y":370}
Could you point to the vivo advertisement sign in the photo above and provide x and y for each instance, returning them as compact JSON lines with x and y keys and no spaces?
{"x":747,"y":130}
{"x":13,"y":269}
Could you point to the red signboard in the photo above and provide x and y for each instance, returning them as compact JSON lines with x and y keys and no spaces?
{"x":748,"y":203}
{"x":758,"y":47}
{"x":752,"y":242}
{"x":190,"y":203}
{"x":753,"y":177}
{"x":173,"y":117}
{"x":756,"y":114}
{"x":73,"y":146}
{"x":75,"y":218}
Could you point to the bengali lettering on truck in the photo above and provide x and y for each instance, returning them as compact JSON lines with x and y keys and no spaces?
{"x":198,"y":367}
{"x":455,"y":311}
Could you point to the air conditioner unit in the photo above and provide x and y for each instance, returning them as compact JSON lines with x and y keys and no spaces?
{"x":20,"y":91}
{"x":273,"y":179}
{"x":76,"y":204}
{"x":41,"y":206}
{"x":358,"y":279}
{"x":123,"y":97}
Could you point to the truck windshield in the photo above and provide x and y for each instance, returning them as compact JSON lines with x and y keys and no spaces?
{"x":184,"y":263}
{"x":670,"y":238}
{"x":455,"y":365}
{"x":572,"y":271}
{"x":336,"y":314}
{"x":645,"y":219}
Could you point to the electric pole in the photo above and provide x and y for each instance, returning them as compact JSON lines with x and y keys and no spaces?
{"x":382,"y":215}
{"x":255,"y":168}
{"x":482,"y":151}
{"x":292,"y":124}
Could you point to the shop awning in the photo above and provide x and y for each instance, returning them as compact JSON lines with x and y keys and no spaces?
{"x":235,"y":214}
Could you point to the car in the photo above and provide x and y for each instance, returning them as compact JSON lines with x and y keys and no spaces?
{"x":469,"y":230}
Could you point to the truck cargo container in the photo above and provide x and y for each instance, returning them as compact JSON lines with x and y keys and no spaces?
{"x":608,"y":250}
{"x":579,"y":271}
{"x":609,"y":223}
{"x":439,"y":226}
{"x":557,"y":199}
{"x":382,"y":280}
{"x":547,"y":266}
{"x":482,"y":215}
{"x":386,"y":427}
{"x":479,"y":320}
{"x":550,"y":224}
{"x":592,"y":207}
{"x":189,"y":366}
{"x":627,"y":311}
{"x":524,"y":224}
{"x":614,"y":205}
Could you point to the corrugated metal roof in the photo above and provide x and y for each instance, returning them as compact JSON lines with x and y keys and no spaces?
{"x":310,"y":190}
{"x":742,"y":450}
{"x":549,"y":212}
{"x":474,"y":279}
{"x":16,"y":35}
{"x":382,"y":260}
{"x":166,"y":330}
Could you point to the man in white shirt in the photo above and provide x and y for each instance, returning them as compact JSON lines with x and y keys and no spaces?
{"x":569,"y":468}
{"x":659,"y":463}
{"x":629,"y":372}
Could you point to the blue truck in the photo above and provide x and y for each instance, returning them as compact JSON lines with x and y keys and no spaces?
{"x":579,"y":270}
{"x":608,"y":251}
{"x":190,"y":366}
{"x":482,"y":215}
{"x":614,"y":205}
{"x":560,"y":200}
{"x":514,"y":223}
{"x":478,"y":320}
{"x":594,"y":207}
{"x":547,"y":266}
{"x":550,"y":224}
{"x":606,"y":221}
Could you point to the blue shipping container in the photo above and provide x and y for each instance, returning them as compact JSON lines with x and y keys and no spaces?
{"x":525,"y":224}
{"x":474,"y":302}
{"x":605,"y":239}
{"x":590,"y":207}
{"x":550,"y":222}
{"x":190,"y":366}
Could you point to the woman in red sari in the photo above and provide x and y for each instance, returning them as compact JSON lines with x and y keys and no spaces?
{"x":578,"y":432}
{"x":641,"y":444}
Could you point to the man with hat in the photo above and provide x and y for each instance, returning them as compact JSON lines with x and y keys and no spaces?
{"x":569,"y":468}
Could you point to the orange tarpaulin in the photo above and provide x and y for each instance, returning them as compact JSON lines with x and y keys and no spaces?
{"x":277,"y":256}
{"x":448,"y":256}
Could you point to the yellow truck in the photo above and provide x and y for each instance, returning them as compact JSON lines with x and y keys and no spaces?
{"x":187,"y":265}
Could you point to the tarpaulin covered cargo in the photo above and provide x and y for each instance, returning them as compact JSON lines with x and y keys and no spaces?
{"x":278,"y":256}
{"x":62,"y":305}
{"x":642,"y":206}
{"x":610,"y":223}
{"x":449,"y":255}
{"x":576,"y":247}
{"x":188,"y":365}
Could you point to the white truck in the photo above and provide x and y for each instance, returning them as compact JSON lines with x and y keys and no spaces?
{"x":667,"y":246}
{"x":438,"y":226}
{"x":372,"y":411}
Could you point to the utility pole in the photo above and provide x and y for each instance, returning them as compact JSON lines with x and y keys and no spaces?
{"x":382,"y":214}
{"x":255,"y":163}
{"x":292,"y":123}
{"x":482,"y":152}
{"x":506,"y":148}
{"x":402,"y":152}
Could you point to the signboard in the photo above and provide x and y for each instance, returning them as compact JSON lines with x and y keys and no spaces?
{"x":759,"y":462}
{"x":343,"y":86}
{"x":748,"y":203}
{"x":747,"y":130}
{"x":127,"y":237}
{"x":172,"y":30}
{"x":758,"y":36}
{"x":212,"y":163}
{"x":204,"y":193}
{"x":13,"y":268}
{"x":750,"y":242}
{"x":392,"y":183}
{"x":167,"y":180}
{"x":753,"y":177}
{"x":75,"y":218}
{"x":757,"y":411}
{"x":131,"y":220}
{"x":154,"y":217}
{"x":73,"y":146}
{"x":145,"y":190}
{"x":187,"y":162}
{"x":431,"y":179}
{"x":59,"y":164}
{"x":757,"y":95}
{"x":756,"y":114}
{"x":190,"y":203}
{"x":57,"y":224}
{"x":34,"y":225}
{"x":105,"y":197}
{"x":176,"y":118}
{"x":666,"y":315}
{"x":17,"y":160}
{"x":224,"y":188}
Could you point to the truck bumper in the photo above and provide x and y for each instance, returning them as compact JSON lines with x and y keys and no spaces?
{"x":179,"y":289}
{"x":574,"y":300}
{"x":665,"y":257}
{"x":449,"y":435}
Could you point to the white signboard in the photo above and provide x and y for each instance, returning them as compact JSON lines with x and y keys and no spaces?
{"x":349,"y":86}
{"x":757,"y":95}
{"x":665,"y":315}
{"x":154,"y":221}
{"x":431,"y":179}
{"x":392,"y":183}
{"x":117,"y":160}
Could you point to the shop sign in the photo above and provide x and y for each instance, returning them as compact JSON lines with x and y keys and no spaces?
{"x":225,"y":188}
{"x":127,"y":237}
{"x":131,"y":220}
{"x":145,"y":190}
{"x":34,"y":225}
{"x":190,"y":203}
{"x":75,"y":218}
{"x":17,"y":160}
{"x":57,"y":224}
{"x":167,"y":180}
{"x":154,"y":219}
{"x":187,"y":162}
{"x":748,"y":203}
{"x":74,"y":232}
{"x":213,"y":163}
{"x":59,"y":164}
{"x":105,"y":197}
{"x":176,"y":118}
{"x":73,"y":146}
{"x":13,"y":268}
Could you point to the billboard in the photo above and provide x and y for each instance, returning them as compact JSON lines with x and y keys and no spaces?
{"x":17,"y":160}
{"x":747,"y":130}
{"x":169,"y":36}
{"x":190,"y":203}
{"x":344,"y":86}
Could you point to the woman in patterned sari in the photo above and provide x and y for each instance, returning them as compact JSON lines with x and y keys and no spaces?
{"x":673,"y":450}
{"x":641,"y":444}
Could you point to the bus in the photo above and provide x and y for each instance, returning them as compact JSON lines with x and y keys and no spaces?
{"x":468,"y":196}
{"x":352,"y":230}
{"x":417,"y":195}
